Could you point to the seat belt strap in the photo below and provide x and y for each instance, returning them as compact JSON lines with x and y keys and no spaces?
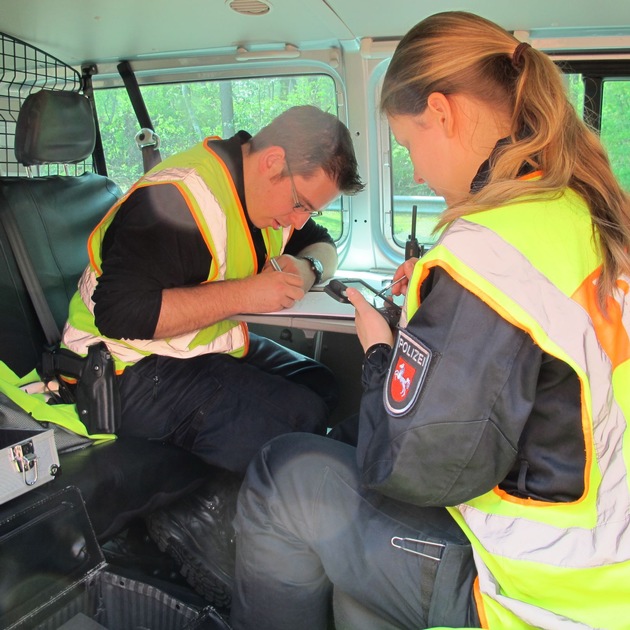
{"x":146,"y":139}
{"x":29,"y":276}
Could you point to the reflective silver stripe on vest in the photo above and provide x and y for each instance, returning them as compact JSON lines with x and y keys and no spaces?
{"x":135,"y":349}
{"x":214,"y":216}
{"x":574,"y":334}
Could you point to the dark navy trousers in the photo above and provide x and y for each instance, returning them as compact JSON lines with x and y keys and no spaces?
{"x":224,"y":409}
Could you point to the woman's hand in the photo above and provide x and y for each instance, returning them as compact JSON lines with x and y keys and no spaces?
{"x":371,"y":325}
{"x":405,"y":271}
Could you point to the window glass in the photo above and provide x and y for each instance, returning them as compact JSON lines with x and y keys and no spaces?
{"x":615,"y":124}
{"x":615,"y":131}
{"x":186,"y":113}
{"x":118,"y":126}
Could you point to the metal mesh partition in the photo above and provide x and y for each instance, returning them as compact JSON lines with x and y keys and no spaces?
{"x":25,"y":69}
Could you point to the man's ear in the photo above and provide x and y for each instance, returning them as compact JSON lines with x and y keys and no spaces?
{"x":441,"y":110}
{"x":272,"y":162}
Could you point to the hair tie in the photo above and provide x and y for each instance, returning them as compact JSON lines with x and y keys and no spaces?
{"x":517,"y":55}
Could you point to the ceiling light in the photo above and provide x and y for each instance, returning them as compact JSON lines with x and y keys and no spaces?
{"x":249,"y":7}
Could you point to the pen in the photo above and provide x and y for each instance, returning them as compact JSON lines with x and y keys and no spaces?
{"x":389,"y":286}
{"x":275,"y":265}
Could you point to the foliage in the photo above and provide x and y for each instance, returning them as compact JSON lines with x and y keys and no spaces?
{"x":185,"y":113}
{"x":615,"y":135}
{"x":615,"y":131}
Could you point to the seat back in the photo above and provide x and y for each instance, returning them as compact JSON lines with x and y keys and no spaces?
{"x":55,"y":214}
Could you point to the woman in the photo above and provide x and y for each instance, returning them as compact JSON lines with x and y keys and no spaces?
{"x":503,"y":397}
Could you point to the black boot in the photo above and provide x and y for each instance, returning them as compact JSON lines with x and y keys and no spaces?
{"x":197,"y":531}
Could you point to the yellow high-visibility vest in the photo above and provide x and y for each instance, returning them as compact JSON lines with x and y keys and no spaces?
{"x":205,"y":183}
{"x":545,"y":564}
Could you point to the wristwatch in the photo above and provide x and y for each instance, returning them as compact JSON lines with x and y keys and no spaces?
{"x":316,"y":266}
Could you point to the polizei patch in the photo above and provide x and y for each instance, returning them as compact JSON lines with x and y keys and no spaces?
{"x":406,"y":375}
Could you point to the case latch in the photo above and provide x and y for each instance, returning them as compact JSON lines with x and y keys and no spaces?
{"x":26,"y":461}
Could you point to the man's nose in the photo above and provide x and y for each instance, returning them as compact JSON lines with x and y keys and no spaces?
{"x":299,"y":219}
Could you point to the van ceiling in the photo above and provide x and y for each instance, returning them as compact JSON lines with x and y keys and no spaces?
{"x":90,"y":30}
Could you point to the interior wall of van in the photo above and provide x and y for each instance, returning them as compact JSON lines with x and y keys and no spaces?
{"x":161,"y":76}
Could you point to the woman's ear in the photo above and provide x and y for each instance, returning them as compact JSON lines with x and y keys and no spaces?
{"x":440,"y":109}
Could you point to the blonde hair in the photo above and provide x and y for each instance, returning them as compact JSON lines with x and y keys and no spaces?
{"x":459,"y":52}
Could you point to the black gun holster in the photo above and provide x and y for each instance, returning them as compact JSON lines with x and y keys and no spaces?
{"x":96,"y":390}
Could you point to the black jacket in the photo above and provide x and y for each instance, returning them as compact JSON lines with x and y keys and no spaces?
{"x":493,"y":410}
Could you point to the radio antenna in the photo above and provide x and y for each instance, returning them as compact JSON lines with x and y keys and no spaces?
{"x":412,"y":248}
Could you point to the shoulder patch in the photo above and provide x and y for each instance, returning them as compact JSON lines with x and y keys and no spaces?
{"x":407,"y":372}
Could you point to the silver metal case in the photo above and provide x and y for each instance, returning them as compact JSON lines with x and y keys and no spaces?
{"x":28,"y":459}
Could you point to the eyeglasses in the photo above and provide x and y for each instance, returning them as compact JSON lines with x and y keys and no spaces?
{"x":298,"y":206}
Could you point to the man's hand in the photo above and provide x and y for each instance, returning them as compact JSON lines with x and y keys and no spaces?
{"x":297,"y":266}
{"x":185,"y":309}
{"x":272,"y":290}
{"x":324,"y":252}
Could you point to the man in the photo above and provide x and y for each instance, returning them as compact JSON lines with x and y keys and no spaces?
{"x":189,"y":247}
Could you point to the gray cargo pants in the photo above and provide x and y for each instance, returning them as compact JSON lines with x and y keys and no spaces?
{"x":305,"y":527}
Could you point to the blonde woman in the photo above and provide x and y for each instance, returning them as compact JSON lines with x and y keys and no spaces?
{"x":495,"y":418}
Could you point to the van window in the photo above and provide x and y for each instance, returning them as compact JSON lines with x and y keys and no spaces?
{"x":186,"y":113}
{"x":608,"y":116}
{"x":601,"y":94}
{"x":615,"y":132}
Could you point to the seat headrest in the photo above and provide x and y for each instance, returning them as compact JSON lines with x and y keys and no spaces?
{"x":54,"y":127}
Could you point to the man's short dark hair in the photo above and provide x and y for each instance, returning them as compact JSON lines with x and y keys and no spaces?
{"x":312,"y":139}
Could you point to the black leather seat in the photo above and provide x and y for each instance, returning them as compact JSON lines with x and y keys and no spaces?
{"x":55,"y":214}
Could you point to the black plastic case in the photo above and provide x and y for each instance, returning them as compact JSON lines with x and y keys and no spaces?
{"x":53,"y":576}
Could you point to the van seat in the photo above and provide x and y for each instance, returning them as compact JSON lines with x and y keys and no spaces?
{"x":55,"y":214}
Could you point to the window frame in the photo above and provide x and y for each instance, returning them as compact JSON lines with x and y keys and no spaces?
{"x":594,"y":73}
